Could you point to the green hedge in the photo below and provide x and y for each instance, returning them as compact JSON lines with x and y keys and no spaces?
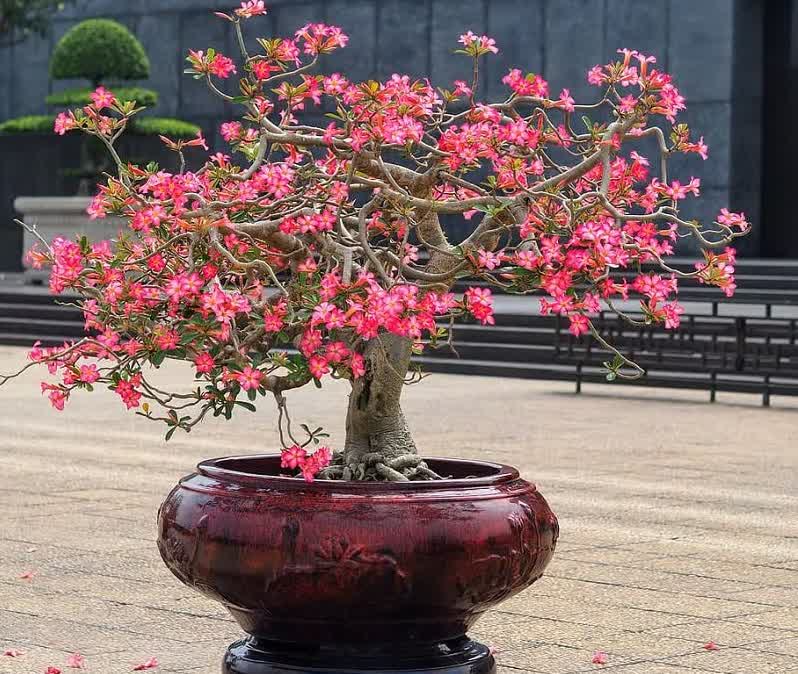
{"x":164,"y":126}
{"x":144,"y":126}
{"x":70,"y":97}
{"x":99,"y":49}
{"x":28,"y":124}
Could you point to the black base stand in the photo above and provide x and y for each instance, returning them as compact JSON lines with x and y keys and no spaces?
{"x":459,"y":656}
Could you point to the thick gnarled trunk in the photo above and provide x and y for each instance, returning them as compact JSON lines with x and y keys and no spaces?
{"x":376,"y":431}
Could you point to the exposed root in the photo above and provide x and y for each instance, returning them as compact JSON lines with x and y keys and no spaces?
{"x":390,"y":474}
{"x":428,"y":472}
{"x":405,"y":461}
{"x":374,"y":466}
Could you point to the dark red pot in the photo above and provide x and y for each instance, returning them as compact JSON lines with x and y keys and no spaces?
{"x":356,"y":576}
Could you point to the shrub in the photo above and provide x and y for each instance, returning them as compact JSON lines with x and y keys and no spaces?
{"x":28,"y":124}
{"x":164,"y":126}
{"x":99,"y":49}
{"x":142,"y":96}
{"x":142,"y":126}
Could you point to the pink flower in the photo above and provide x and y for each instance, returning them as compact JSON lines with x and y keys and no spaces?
{"x":152,"y":663}
{"x":262,"y":69}
{"x":595,"y":76}
{"x":627,"y":104}
{"x":28,"y":575}
{"x":89,"y":374}
{"x":579,"y":324}
{"x":251,"y":8}
{"x":222,"y":66}
{"x":76,"y":661}
{"x":357,"y":365}
{"x":64,"y":122}
{"x":102,"y":98}
{"x":167,"y":340}
{"x":488,"y":260}
{"x":231,"y":130}
{"x":461,"y":88}
{"x":730,"y":219}
{"x":56,"y":395}
{"x":126,"y":390}
{"x":673,"y":312}
{"x":317,"y":461}
{"x":249,"y":378}
{"x":12,"y":653}
{"x":479,"y":302}
{"x":336,"y":352}
{"x":600,"y":658}
{"x":52,"y":670}
{"x":318,"y":366}
{"x":711,"y":646}
{"x":566,"y":101}
{"x":478,"y":45}
{"x":292,"y":457}
{"x":204,"y":363}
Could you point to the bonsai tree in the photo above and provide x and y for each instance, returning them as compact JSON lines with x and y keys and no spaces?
{"x":324,"y":254}
{"x":19,"y":19}
{"x":99,"y":50}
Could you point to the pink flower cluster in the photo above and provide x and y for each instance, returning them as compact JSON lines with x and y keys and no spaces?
{"x":309,"y":465}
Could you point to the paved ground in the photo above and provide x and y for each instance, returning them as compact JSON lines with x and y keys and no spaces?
{"x":678,"y":524}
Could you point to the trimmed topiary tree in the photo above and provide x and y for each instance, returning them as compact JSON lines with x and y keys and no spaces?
{"x":99,"y":50}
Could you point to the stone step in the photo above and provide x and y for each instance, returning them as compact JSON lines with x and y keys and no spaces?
{"x":41,"y":327}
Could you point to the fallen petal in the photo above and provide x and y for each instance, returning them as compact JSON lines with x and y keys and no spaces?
{"x":599,"y":658}
{"x":152,"y":663}
{"x":52,"y":670}
{"x":12,"y":653}
{"x":76,"y":661}
{"x":711,"y":646}
{"x":28,"y":575}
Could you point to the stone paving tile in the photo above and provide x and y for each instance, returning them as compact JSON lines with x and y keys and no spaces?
{"x":649,"y":579}
{"x":557,"y":658}
{"x":737,"y":661}
{"x":782,"y":646}
{"x":783,"y":619}
{"x":722,"y":632}
{"x":188,"y":629}
{"x":666,"y":543}
{"x":649,"y":668}
{"x":21,"y":630}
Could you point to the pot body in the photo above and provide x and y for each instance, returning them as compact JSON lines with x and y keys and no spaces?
{"x":353,"y":564}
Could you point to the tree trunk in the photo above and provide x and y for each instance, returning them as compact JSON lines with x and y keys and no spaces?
{"x":376,"y":430}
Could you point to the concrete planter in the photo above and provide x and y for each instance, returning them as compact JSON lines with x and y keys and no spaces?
{"x":60,"y":216}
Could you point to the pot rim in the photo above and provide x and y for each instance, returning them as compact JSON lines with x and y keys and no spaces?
{"x":501,"y":474}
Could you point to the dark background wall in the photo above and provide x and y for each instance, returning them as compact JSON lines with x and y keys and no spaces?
{"x":713,"y":48}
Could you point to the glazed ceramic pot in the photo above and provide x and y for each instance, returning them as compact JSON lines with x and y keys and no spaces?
{"x":335,"y":576}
